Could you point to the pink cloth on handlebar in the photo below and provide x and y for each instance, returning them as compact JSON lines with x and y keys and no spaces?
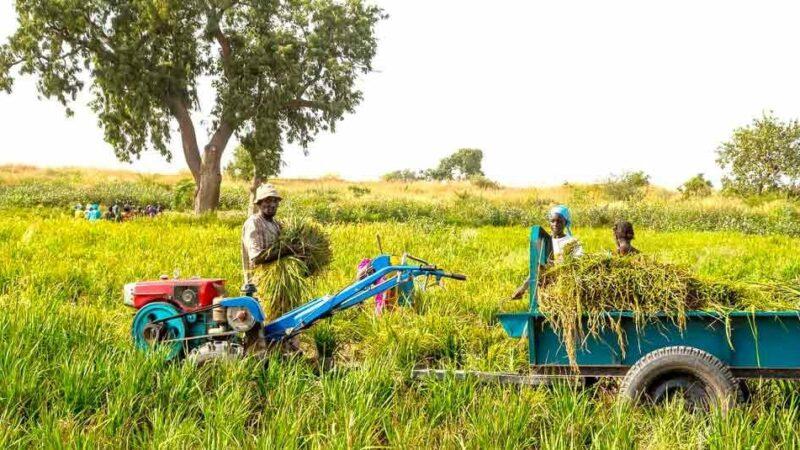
{"x":361,"y":271}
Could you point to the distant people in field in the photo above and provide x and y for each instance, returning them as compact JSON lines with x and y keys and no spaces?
{"x":116,"y":212}
{"x":93,"y":212}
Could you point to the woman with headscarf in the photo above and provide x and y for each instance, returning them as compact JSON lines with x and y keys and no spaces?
{"x":564,"y":243}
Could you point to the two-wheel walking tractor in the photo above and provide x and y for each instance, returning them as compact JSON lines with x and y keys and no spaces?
{"x":193,"y":318}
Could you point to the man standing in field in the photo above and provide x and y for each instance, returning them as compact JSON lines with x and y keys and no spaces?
{"x":260,"y":231}
{"x":259,"y":234}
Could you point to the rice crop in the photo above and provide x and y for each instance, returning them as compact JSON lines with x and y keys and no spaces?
{"x":577,"y":293}
{"x":302,"y":250}
{"x":71,"y":377}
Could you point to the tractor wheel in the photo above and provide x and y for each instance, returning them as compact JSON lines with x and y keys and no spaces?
{"x":699,"y":377}
{"x":169,"y":334}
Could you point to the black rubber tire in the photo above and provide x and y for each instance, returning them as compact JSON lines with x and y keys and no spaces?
{"x":656,"y":367}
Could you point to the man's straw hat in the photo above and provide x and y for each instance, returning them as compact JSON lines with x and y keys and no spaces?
{"x":266,"y":191}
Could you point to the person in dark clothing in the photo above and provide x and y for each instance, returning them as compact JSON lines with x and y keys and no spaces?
{"x":623,"y":235}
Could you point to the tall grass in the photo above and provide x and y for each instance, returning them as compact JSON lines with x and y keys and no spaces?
{"x":71,"y":376}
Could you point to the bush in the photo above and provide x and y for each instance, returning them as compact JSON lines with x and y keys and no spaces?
{"x":183,"y":195}
{"x":483,"y":182}
{"x":358,"y":191}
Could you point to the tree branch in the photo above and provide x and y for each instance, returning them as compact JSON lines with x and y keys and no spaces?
{"x":303,"y":103}
{"x":191,"y":152}
{"x":225,"y":47}
{"x":220,"y":137}
{"x":213,"y":27}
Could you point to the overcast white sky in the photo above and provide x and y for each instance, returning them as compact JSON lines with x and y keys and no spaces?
{"x":551,"y":91}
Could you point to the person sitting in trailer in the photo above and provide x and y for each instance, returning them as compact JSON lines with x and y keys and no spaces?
{"x":623,"y":235}
{"x":564,"y":243}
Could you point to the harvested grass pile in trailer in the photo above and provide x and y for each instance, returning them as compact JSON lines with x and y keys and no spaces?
{"x":576,"y":294}
{"x":304,"y":250}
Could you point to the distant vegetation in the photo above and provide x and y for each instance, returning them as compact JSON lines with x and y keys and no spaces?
{"x":464,"y":164}
{"x":628,"y":196}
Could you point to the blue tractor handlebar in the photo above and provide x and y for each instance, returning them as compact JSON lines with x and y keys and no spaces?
{"x":181,"y":330}
{"x":380,"y":280}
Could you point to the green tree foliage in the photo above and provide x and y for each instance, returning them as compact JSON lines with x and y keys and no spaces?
{"x":762,"y":157}
{"x":242,"y":167}
{"x":281,"y":70}
{"x":461,"y":165}
{"x":402,"y":175}
{"x":697,"y":186}
{"x":627,"y":186}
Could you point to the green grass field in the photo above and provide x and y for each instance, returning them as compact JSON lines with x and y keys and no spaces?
{"x":70,"y":376}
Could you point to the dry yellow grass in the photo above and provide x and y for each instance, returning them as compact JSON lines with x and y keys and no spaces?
{"x":17,"y":173}
{"x":574,"y":193}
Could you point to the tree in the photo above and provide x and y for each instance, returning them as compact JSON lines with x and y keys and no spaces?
{"x":281,"y":70}
{"x":241,"y":166}
{"x":462,"y":164}
{"x":762,"y":157}
{"x":253,"y":166}
{"x":627,"y":186}
{"x":697,"y":186}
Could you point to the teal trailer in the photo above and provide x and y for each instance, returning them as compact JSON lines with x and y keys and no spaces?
{"x":703,"y":360}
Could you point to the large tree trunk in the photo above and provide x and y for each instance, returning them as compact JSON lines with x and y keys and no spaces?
{"x":206,"y":171}
{"x":208,"y":186}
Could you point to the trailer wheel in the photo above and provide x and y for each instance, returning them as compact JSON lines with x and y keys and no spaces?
{"x":701,"y":378}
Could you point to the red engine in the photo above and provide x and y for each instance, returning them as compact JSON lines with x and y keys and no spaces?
{"x":186,"y":294}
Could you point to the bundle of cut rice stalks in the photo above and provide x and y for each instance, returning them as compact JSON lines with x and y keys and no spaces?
{"x":577,"y":294}
{"x":304,"y":250}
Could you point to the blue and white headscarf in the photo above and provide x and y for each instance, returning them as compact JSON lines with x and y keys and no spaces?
{"x":562,"y":211}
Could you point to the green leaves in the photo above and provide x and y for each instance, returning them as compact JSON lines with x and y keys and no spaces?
{"x":763,"y":157}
